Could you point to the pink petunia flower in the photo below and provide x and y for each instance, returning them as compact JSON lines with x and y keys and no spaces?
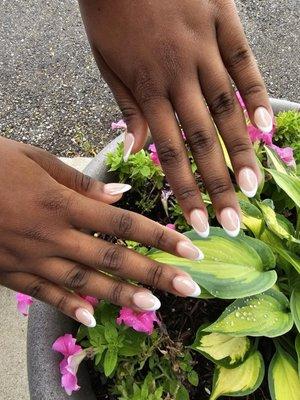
{"x":73,"y":356}
{"x":140,"y":322}
{"x":256,"y":134}
{"x":119,"y":125}
{"x":23,"y":303}
{"x":286,"y":154}
{"x":92,"y":300}
{"x":154,"y":154}
{"x":171,"y":226}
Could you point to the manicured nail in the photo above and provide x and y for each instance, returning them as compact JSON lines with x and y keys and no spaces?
{"x":248,"y":182}
{"x":199,"y":222}
{"x":187,"y":250}
{"x":146,"y":301}
{"x":116,"y":188}
{"x":230,"y":221}
{"x":85,"y":317}
{"x":186,"y":286}
{"x":128,"y":145}
{"x":263,"y":119}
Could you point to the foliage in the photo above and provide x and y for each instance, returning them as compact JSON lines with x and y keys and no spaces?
{"x":288,"y":131}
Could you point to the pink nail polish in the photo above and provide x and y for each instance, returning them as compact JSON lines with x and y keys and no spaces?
{"x":230,"y":221}
{"x":85,"y":317}
{"x":128,"y":145}
{"x":116,"y":188}
{"x":263,"y":119}
{"x":146,"y":301}
{"x":199,"y":222}
{"x":248,"y":182}
{"x":186,"y":249}
{"x":186,"y":286}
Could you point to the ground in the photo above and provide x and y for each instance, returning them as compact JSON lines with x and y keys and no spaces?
{"x":50,"y":91}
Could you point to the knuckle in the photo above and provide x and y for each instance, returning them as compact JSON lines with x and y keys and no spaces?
{"x":82,"y":182}
{"x":36,"y":288}
{"x":36,"y":233}
{"x":145,"y":87}
{"x":123,"y":224}
{"x":54,"y":201}
{"x":169,"y":154}
{"x":116,"y":292}
{"x":128,"y":110}
{"x":201,"y":141}
{"x":240,"y":58}
{"x":113,"y":258}
{"x":187,"y":192}
{"x":77,"y":278}
{"x":61,"y":302}
{"x":223,"y":104}
{"x":154,"y":275}
{"x":254,"y":88}
{"x":240,"y":145}
{"x":159,"y":237}
{"x":217,"y":186}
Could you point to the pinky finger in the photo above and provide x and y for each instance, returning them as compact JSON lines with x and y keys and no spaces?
{"x":41,"y":289}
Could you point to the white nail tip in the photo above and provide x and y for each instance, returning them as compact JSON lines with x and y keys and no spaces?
{"x":156,"y":306}
{"x":128,"y":146}
{"x":115,"y":188}
{"x":196,"y":292}
{"x":200,"y":256}
{"x":204,"y":234}
{"x":93,"y":322}
{"x":249,"y":193}
{"x":232,"y":233}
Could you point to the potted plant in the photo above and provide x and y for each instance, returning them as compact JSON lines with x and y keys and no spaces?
{"x":236,"y":339}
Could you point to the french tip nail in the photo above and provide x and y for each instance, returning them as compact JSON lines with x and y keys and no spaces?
{"x":230,"y":221}
{"x":186,"y":286}
{"x":197,"y":292}
{"x":199,"y":222}
{"x":187,"y":249}
{"x":128,"y":145}
{"x":249,"y":193}
{"x":146,"y":301}
{"x":85,"y":317}
{"x":114,"y":189}
{"x":248,"y":182}
{"x":204,"y":234}
{"x":234,"y":233}
{"x":263,"y":119}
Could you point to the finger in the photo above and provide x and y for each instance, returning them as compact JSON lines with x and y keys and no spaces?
{"x":76,"y":180}
{"x":230,"y":121}
{"x":242,"y":67}
{"x":137,"y":127}
{"x":202,"y":138}
{"x":89,"y":214}
{"x":44,"y":290}
{"x":124,"y":263}
{"x":173,"y":155}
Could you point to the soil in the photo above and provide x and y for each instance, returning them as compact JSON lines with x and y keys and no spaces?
{"x":182,"y":318}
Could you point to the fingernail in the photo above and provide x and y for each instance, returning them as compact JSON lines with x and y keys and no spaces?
{"x":186,"y":286}
{"x":263,"y":119}
{"x":200,"y":223}
{"x":248,"y":182}
{"x":128,"y":145}
{"x":146,"y":301}
{"x":116,"y":188}
{"x":85,"y":317}
{"x":230,"y":221}
{"x":187,"y":250}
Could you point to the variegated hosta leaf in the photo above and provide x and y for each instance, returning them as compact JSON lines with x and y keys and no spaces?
{"x":239,"y":381}
{"x":295,"y":306}
{"x":297,"y":347}
{"x":252,"y":217}
{"x":288,"y":183}
{"x":284,"y":382}
{"x":224,"y":350}
{"x":275,"y":162}
{"x":232,"y":268}
{"x":265,"y":314}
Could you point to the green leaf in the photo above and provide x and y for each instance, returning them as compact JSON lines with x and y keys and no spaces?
{"x":275,"y":162}
{"x":239,"y":381}
{"x":106,"y":312}
{"x":288,"y":183}
{"x":110,"y":361}
{"x":284,"y":383}
{"x":251,"y":217}
{"x":265,"y":314}
{"x":110,"y":332}
{"x":82,"y":333}
{"x":232,"y":268}
{"x":224,"y":350}
{"x":272,"y":222}
{"x":297,"y":347}
{"x":182,"y":394}
{"x":132,"y":344}
{"x":295,"y":306}
{"x":97,"y":336}
{"x":193,"y":378}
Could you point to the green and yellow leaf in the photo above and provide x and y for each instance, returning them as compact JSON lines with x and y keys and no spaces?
{"x":275,"y":162}
{"x":288,"y":183}
{"x":239,"y":381}
{"x":284,"y":382}
{"x":232,"y":267}
{"x":295,"y":306}
{"x":224,"y":350}
{"x":252,"y":217}
{"x":297,"y":347}
{"x":265,"y":314}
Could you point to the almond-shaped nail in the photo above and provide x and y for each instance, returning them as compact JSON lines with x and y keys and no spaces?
{"x":248,"y":182}
{"x":146,"y":301}
{"x":85,"y":317}
{"x":116,"y":188}
{"x":230,"y":221}
{"x":200,"y":223}
{"x":263,"y":119}
{"x":128,"y":145}
{"x":186,"y":249}
{"x":186,"y":286}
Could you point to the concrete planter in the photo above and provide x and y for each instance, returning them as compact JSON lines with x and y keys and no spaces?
{"x":46,"y":324}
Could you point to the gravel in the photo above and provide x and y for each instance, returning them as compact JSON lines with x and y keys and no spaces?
{"x":50,"y":89}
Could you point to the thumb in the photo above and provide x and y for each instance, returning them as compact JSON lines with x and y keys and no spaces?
{"x":137,"y":127}
{"x":65,"y":175}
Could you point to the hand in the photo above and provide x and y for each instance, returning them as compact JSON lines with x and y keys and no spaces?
{"x":163,"y":57}
{"x":45,"y":205}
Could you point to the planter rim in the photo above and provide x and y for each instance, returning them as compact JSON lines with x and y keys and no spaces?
{"x":45,"y":324}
